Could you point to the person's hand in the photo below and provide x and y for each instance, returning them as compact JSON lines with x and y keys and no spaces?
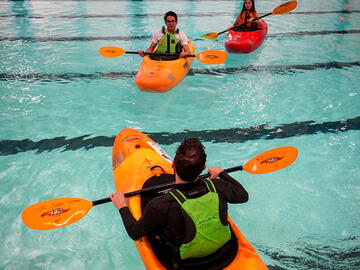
{"x":141,"y":53}
{"x":118,"y":200}
{"x":183,"y":54}
{"x":214,"y":172}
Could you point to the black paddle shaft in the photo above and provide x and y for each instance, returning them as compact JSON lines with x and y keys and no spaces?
{"x":258,"y":18}
{"x":160,"y":54}
{"x":161,"y":187}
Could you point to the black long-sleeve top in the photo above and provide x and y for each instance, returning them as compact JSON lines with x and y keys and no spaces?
{"x":163,"y":214}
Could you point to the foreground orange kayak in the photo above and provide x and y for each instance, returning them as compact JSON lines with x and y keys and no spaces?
{"x":135,"y":159}
{"x":162,"y":75}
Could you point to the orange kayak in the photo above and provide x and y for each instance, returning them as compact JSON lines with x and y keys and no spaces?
{"x":135,"y":159}
{"x":162,"y":75}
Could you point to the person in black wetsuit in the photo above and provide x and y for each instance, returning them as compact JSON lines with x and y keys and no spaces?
{"x":176,"y":222}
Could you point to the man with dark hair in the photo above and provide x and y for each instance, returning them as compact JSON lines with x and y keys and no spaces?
{"x":190,"y":159}
{"x":189,"y":223}
{"x":169,"y":39}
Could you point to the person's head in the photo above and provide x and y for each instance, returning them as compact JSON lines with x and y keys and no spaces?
{"x":171,"y":22}
{"x":249,"y":5}
{"x":190,"y":159}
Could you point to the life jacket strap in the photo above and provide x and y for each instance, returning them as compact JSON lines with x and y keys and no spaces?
{"x":181,"y":198}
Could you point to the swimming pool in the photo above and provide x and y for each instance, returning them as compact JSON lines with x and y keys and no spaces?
{"x":62,"y":105}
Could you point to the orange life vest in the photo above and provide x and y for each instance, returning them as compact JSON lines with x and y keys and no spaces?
{"x":244,"y":18}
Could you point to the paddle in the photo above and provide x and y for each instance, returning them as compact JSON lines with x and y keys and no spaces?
{"x":211,"y":57}
{"x":282,"y":9}
{"x":60,"y":212}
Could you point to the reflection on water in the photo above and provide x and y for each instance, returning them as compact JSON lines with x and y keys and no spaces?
{"x":18,"y":7}
{"x":307,"y":253}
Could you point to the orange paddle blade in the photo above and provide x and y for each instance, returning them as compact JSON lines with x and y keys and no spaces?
{"x":211,"y":57}
{"x":55,"y":213}
{"x":285,"y":8}
{"x":111,"y":51}
{"x":210,"y":36}
{"x":271,"y":160}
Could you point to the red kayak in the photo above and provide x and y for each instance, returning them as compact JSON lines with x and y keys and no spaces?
{"x":245,"y":40}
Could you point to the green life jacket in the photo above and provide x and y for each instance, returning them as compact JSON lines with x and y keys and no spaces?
{"x":168,"y":43}
{"x":210,"y":233}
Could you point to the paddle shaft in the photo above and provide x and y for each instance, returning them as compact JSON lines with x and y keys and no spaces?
{"x":47,"y":215}
{"x":162,"y":187}
{"x":258,"y":18}
{"x":159,"y":54}
{"x":211,"y":57}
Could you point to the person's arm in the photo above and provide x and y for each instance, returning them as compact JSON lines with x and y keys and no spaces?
{"x":232,"y":189}
{"x":154,"y":41}
{"x":182,"y":38}
{"x":237,"y":21}
{"x":185,"y":51}
{"x":258,"y":22}
{"x":150,"y":49}
{"x":136,"y":229}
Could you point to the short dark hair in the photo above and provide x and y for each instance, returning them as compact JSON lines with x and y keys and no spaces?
{"x":170,"y":13}
{"x":190,"y":159}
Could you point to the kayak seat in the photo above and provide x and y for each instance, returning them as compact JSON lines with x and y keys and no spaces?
{"x":164,"y":252}
{"x":216,"y":261}
{"x":246,"y":29}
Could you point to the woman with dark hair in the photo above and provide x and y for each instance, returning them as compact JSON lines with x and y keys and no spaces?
{"x":247,"y":15}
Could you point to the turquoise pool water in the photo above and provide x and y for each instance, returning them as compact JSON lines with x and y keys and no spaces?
{"x":62,"y":105}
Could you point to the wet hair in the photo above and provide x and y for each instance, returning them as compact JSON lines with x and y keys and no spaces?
{"x":170,"y":13}
{"x":252,"y":9}
{"x":190,"y":159}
